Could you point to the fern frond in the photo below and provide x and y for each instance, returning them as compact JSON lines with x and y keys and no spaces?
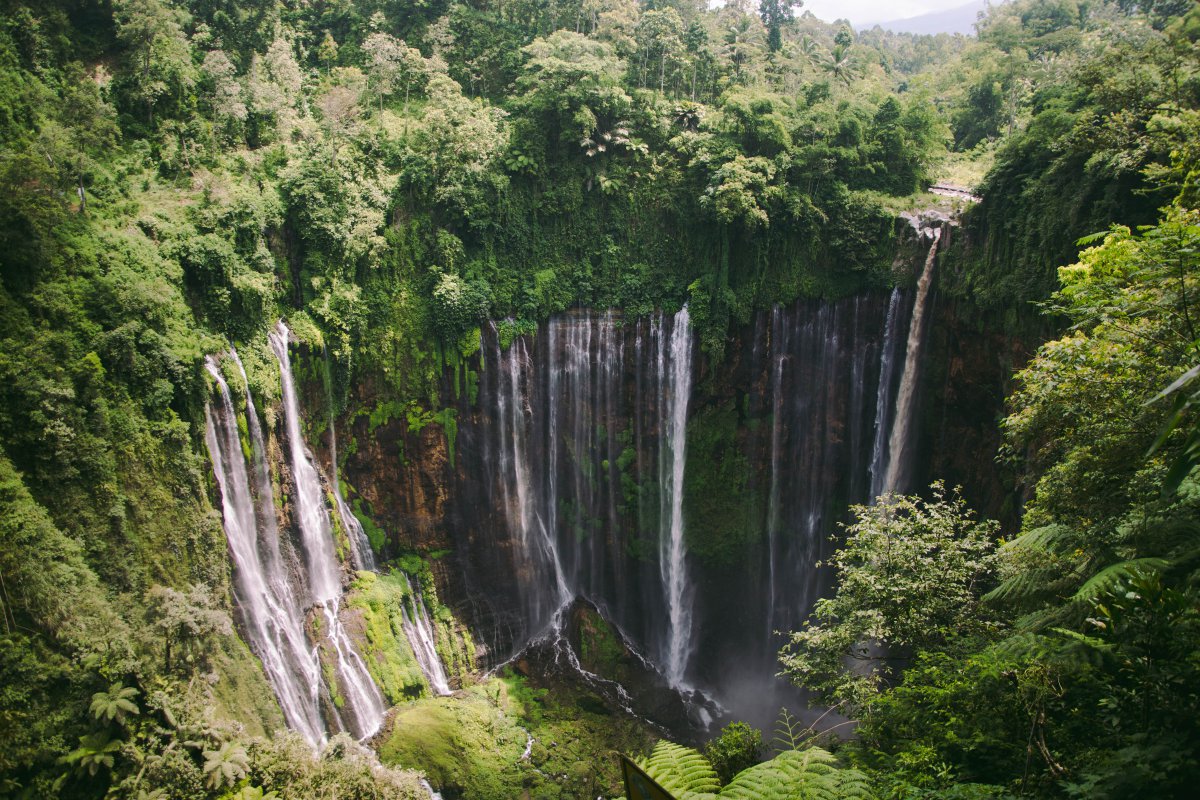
{"x":1023,"y":645}
{"x":1056,"y":539}
{"x":854,"y":785}
{"x":1106,"y":580}
{"x":810,"y":774}
{"x":682,"y":771}
{"x":1026,"y":585}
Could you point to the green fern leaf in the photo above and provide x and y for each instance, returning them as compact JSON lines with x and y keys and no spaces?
{"x":810,"y":774}
{"x":1106,"y":580}
{"x":682,"y":771}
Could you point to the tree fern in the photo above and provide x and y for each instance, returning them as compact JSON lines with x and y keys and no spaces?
{"x":1106,"y":580}
{"x":682,"y":771}
{"x":115,"y":704}
{"x":810,"y":774}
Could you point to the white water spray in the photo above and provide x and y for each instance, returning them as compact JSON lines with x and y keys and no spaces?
{"x":672,"y":458}
{"x":362,"y":699}
{"x":273,"y":619}
{"x":899,"y":444}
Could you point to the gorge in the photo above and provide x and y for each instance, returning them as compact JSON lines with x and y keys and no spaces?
{"x":571,"y":481}
{"x":529,"y":400}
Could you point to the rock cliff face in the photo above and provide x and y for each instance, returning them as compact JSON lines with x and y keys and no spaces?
{"x":559,"y":480}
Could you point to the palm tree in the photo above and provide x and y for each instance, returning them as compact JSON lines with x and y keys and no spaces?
{"x":841,"y":66}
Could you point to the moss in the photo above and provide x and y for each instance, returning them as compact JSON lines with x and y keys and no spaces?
{"x":383,"y":413}
{"x":241,"y":692}
{"x":601,"y":650}
{"x":471,"y":745}
{"x":340,"y":538}
{"x":375,"y":535}
{"x":244,"y":437}
{"x":448,"y":419}
{"x":469,"y":343}
{"x":466,"y":745}
{"x":389,"y":656}
{"x":723,"y":515}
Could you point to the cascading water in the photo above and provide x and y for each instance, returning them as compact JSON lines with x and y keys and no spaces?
{"x":419,"y":631}
{"x":417,"y":627}
{"x":883,"y":397}
{"x":363,"y":704}
{"x":360,"y":546}
{"x":524,"y":505}
{"x":899,"y":441}
{"x":675,"y":368}
{"x":579,"y":438}
{"x":273,"y":619}
{"x":563,"y":424}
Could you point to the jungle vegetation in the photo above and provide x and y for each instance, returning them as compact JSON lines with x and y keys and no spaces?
{"x":179,"y":174}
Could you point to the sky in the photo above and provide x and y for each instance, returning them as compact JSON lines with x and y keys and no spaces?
{"x":861,"y":11}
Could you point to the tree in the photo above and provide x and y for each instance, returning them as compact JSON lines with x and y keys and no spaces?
{"x":775,"y":14}
{"x":910,"y":574}
{"x":116,"y":704}
{"x":812,"y":772}
{"x":738,"y":747}
{"x":660,"y":38}
{"x":340,"y":109}
{"x":187,"y":622}
{"x":571,"y":86}
{"x":227,"y":95}
{"x":152,"y":32}
{"x":392,"y":63}
{"x":225,"y":766}
{"x":96,"y":751}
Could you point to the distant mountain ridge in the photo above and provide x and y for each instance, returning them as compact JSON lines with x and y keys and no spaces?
{"x":960,"y":19}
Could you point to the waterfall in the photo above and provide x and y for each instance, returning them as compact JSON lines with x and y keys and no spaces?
{"x":360,"y":546}
{"x":419,"y":631}
{"x":570,"y":466}
{"x":523,"y":505}
{"x":883,"y":396}
{"x":362,"y":701}
{"x":417,"y":627}
{"x":899,"y":445}
{"x":273,"y":619}
{"x":675,"y":369}
{"x":779,"y":348}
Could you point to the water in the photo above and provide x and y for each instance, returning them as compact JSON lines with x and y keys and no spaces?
{"x":363,"y":706}
{"x":419,"y":630}
{"x":675,"y":369}
{"x":524,"y":506}
{"x":273,"y":619}
{"x":883,"y":398}
{"x":576,"y":461}
{"x":900,"y":441}
{"x":361,"y":554}
{"x":416,"y":624}
{"x":561,"y":421}
{"x":779,"y":361}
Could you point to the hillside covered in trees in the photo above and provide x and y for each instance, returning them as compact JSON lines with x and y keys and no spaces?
{"x":656,"y":338}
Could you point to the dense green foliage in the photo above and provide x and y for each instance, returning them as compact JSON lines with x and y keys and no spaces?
{"x":176,"y":175}
{"x":507,"y":737}
{"x":1073,"y":669}
{"x":808,"y":773}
